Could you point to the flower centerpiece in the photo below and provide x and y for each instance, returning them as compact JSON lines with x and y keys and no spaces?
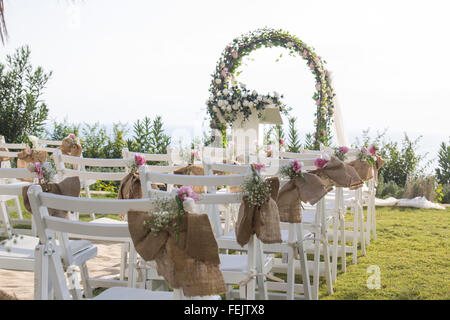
{"x":341,"y":152}
{"x":45,"y":173}
{"x":368,"y":155}
{"x":255,"y":188}
{"x":136,"y":163}
{"x":292,"y":170}
{"x":168,"y":212}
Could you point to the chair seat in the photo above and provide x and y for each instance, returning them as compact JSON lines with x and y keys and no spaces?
{"x":122,"y":293}
{"x":23,"y":247}
{"x":236,"y":262}
{"x":108,"y":221}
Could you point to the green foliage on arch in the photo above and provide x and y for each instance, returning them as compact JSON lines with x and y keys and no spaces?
{"x":228,"y":98}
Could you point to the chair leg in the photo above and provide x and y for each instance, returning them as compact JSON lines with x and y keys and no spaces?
{"x":74,"y":283}
{"x":316,"y":271}
{"x":374,"y":218}
{"x":326,"y":256}
{"x":355,"y":235}
{"x":131,"y":267}
{"x":18,"y":207}
{"x":250,"y":287}
{"x":123,"y":260}
{"x":262,"y":286}
{"x":5,"y":218}
{"x":362,"y":232}
{"x":335,"y":248}
{"x":85,"y":281}
{"x":343,"y":246}
{"x":303,"y":264}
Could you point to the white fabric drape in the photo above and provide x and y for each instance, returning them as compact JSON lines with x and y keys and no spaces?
{"x":338,"y":123}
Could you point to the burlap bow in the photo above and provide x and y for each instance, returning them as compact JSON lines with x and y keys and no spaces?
{"x":378,"y":164}
{"x":68,"y":187}
{"x":192,"y":263}
{"x":3,"y":158}
{"x":340,"y":173}
{"x":70,"y":147}
{"x":193,"y":170}
{"x":309,"y":188}
{"x":363,"y":168}
{"x":264,"y":221}
{"x":28,"y":156}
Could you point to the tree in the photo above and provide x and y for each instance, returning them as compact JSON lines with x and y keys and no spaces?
{"x":279,"y":133}
{"x":443,"y":169}
{"x":293,"y":137}
{"x":22,"y":112}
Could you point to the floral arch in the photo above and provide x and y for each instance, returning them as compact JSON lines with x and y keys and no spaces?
{"x":228,"y":98}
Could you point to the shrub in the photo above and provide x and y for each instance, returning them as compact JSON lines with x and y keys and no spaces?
{"x":60,"y":130}
{"x":420,"y":186}
{"x":446,"y":193}
{"x":149,"y":137}
{"x":22,"y":112}
{"x":388,"y":189}
{"x":293,"y":144}
{"x":443,"y":169}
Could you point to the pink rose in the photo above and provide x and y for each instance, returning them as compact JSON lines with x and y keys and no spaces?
{"x":140,"y":160}
{"x":282,"y":142}
{"x":187,"y":192}
{"x":311,"y":65}
{"x":269,"y":148}
{"x":318,"y":102}
{"x":195,"y":153}
{"x":39,"y":170}
{"x":71,"y":136}
{"x":320,"y":163}
{"x":343,"y":149}
{"x":234,"y":54}
{"x":259,"y":167}
{"x":305,"y":54}
{"x":373,"y":150}
{"x":224,"y":72}
{"x":364,"y":150}
{"x":296,"y":166}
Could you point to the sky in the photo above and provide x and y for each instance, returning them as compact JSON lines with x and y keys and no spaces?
{"x":119,"y":61}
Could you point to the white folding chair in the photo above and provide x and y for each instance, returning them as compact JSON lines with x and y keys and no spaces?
{"x":49,"y":270}
{"x":235,"y":268}
{"x":17,"y":252}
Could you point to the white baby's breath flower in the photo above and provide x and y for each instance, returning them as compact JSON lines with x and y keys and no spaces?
{"x":189,"y":204}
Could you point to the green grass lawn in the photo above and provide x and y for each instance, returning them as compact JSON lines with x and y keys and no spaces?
{"x":411,"y":251}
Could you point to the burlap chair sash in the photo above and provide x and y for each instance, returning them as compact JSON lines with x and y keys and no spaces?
{"x":363,"y":168}
{"x":264,"y":221}
{"x":68,"y":147}
{"x":193,"y":170}
{"x":192,"y":263}
{"x":378,"y":164}
{"x":311,"y":188}
{"x":4,"y":158}
{"x":338,"y":173}
{"x":68,"y":187}
{"x":27,"y":156}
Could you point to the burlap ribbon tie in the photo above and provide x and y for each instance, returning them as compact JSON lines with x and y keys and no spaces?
{"x":378,"y":164}
{"x":71,"y":148}
{"x":309,"y":188}
{"x":193,"y":170}
{"x":27,"y":156}
{"x":363,"y":168}
{"x":264,"y":221}
{"x":339,"y":173}
{"x":253,"y":274}
{"x":68,"y":187}
{"x":4,"y":158}
{"x":192,"y":263}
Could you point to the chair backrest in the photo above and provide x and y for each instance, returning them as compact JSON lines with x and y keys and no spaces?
{"x":48,"y":227}
{"x":44,"y":145}
{"x":79,"y":162}
{"x":217,"y":155}
{"x":171,"y":167}
{"x":209,"y":199}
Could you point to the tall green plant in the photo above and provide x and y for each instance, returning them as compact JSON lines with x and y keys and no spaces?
{"x":443,"y":169}
{"x":60,"y":130}
{"x":293,"y":144}
{"x":22,"y":111}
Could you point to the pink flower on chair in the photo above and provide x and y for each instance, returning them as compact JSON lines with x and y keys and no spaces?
{"x":195,"y":153}
{"x":373,"y":150}
{"x":40,"y":172}
{"x":187,"y":192}
{"x":343,"y":149}
{"x":320,"y":163}
{"x":282,"y":142}
{"x":296,"y":166}
{"x":72,"y":136}
{"x":259,"y":167}
{"x":140,"y":160}
{"x":364,"y":150}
